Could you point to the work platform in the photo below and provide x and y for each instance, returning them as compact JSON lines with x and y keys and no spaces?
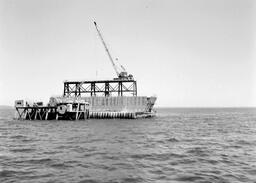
{"x":49,"y":113}
{"x":65,"y":109}
{"x":52,"y":113}
{"x":81,"y":108}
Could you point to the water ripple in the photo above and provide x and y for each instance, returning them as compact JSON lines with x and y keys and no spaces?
{"x":180,"y":145}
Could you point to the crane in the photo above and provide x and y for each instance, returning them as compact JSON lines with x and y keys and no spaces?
{"x":120,"y":75}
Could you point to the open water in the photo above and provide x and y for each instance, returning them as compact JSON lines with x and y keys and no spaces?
{"x":180,"y":145}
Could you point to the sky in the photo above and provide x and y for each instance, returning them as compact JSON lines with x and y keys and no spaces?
{"x":189,"y":53}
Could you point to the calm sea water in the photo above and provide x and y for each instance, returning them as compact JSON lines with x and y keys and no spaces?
{"x":180,"y":145}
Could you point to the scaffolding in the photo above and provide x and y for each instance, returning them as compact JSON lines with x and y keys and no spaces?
{"x":100,"y":88}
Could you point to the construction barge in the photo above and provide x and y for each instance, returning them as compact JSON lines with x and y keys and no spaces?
{"x":96,"y":99}
{"x":90,"y":99}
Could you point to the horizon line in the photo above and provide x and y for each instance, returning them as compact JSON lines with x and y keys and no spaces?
{"x":3,"y":105}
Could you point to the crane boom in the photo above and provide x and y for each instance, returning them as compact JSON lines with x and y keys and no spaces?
{"x":106,"y":48}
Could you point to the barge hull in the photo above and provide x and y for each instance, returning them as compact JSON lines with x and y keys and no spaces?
{"x":133,"y":104}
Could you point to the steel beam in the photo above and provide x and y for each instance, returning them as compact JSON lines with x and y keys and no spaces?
{"x":105,"y":87}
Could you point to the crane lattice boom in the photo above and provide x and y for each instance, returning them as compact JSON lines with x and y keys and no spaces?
{"x":106,"y":48}
{"x":122,"y":74}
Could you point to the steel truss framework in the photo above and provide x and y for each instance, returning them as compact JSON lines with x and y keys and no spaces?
{"x":97,"y":88}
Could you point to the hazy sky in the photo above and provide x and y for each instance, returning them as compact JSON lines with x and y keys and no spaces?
{"x":190,"y":53}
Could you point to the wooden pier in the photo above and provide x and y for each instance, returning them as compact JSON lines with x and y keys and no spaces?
{"x":49,"y":113}
{"x":36,"y":113}
{"x":75,"y":109}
